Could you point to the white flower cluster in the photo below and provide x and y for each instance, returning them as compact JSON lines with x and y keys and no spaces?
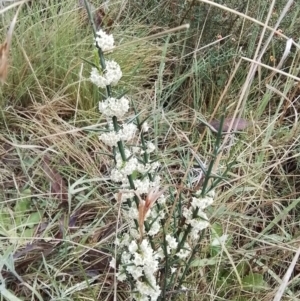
{"x":104,"y":41}
{"x":200,"y":222}
{"x":114,"y":107}
{"x":110,"y":77}
{"x":112,"y":73}
{"x":123,"y":169}
{"x":150,"y":148}
{"x":126,"y":133}
{"x":172,"y":243}
{"x":145,"y":127}
{"x":140,"y":262}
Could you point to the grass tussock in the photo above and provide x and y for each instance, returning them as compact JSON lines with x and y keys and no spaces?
{"x":58,"y":215}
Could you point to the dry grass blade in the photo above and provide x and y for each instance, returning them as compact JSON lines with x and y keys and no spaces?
{"x":250,"y":18}
{"x":2,"y":11}
{"x":286,"y":277}
{"x":4,"y":48}
{"x":271,"y":68}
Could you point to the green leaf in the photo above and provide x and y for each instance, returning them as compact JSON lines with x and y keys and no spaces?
{"x":89,"y":62}
{"x":243,"y":268}
{"x":134,"y":175}
{"x":27,"y":233}
{"x":204,"y":262}
{"x":215,"y":250}
{"x":33,"y":219}
{"x":217,"y":230}
{"x":254,"y":280}
{"x":4,"y":219}
{"x":23,"y":204}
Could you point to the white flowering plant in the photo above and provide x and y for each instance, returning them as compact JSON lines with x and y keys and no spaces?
{"x":164,"y":226}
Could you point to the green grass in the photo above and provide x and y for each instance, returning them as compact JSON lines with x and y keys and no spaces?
{"x":57,"y":213}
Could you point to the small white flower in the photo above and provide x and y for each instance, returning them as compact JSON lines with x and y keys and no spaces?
{"x":128,"y":131}
{"x":130,"y":166}
{"x":126,"y":258}
{"x":136,"y":150}
{"x":97,"y":79}
{"x":154,"y":166}
{"x":171,"y":241}
{"x":112,"y":73}
{"x":198,"y":224}
{"x":138,"y":259}
{"x":142,"y":186}
{"x":132,"y":248}
{"x":119,"y":160}
{"x":104,"y":41}
{"x":159,"y":253}
{"x":155,"y":227}
{"x":162,"y":200}
{"x":135,"y":271}
{"x":184,"y":252}
{"x":184,"y":288}
{"x":145,"y":248}
{"x":124,"y":240}
{"x":150,"y":147}
{"x":112,"y":263}
{"x":121,"y":276}
{"x":143,"y":168}
{"x":114,"y":107}
{"x":144,"y":291}
{"x":187,"y":213}
{"x":132,"y":213}
{"x":201,"y":203}
{"x":194,"y":234}
{"x":145,"y":127}
{"x":117,"y":176}
{"x":123,"y":169}
{"x":134,"y":233}
{"x":110,"y":138}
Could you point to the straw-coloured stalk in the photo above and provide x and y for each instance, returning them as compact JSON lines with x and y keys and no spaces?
{"x":5,"y":47}
{"x":3,"y":61}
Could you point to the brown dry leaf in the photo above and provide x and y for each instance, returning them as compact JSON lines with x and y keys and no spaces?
{"x":238,"y":124}
{"x":33,"y":249}
{"x":58,"y":186}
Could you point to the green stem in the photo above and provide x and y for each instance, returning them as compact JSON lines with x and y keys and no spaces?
{"x":187,"y":265}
